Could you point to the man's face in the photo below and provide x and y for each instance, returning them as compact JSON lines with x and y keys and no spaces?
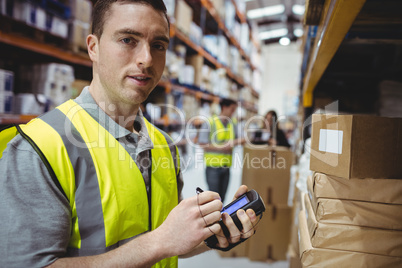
{"x":131,"y":53}
{"x":269,"y":121}
{"x":229,"y":110}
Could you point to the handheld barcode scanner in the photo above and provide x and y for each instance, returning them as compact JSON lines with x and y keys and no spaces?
{"x":252,"y":200}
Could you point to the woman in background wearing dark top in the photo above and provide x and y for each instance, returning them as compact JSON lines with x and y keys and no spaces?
{"x":277,"y":136}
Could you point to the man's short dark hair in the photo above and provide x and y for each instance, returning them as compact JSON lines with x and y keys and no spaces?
{"x":225,"y":102}
{"x":102,"y":7}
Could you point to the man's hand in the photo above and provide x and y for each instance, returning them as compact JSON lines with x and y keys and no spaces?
{"x":272,"y":142}
{"x":247,"y":218}
{"x":191,"y":222}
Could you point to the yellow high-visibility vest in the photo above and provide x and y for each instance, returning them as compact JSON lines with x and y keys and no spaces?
{"x":105,"y":188}
{"x":219,"y":134}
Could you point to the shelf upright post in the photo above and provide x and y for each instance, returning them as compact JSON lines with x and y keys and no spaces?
{"x":203,"y":19}
{"x":336,"y":20}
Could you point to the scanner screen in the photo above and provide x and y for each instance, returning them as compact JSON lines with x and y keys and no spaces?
{"x":239,"y":203}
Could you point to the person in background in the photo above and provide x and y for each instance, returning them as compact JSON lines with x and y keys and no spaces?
{"x":218,"y":137}
{"x":277,"y":136}
{"x":92,"y":183}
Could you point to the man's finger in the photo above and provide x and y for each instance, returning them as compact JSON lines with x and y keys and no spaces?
{"x":248,"y":228}
{"x":207,"y":196}
{"x":242,"y":190}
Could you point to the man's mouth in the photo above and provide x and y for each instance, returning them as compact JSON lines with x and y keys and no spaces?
{"x":140,"y":78}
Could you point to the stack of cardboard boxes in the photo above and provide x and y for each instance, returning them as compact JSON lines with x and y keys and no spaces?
{"x":351,"y":215}
{"x":43,"y":87}
{"x":267,"y":170}
{"x":79,"y":24}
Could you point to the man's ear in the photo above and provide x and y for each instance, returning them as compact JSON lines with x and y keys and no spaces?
{"x":92,"y":45}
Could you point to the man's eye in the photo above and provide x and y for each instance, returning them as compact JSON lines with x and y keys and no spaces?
{"x":126,"y":40}
{"x":160,"y":47}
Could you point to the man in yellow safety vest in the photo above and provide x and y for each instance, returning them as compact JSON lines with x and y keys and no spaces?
{"x":93,"y":180}
{"x":218,"y":137}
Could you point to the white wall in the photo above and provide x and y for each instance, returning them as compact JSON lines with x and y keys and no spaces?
{"x":280,"y":67}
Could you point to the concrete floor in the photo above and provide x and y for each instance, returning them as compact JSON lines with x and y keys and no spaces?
{"x":194,"y":176}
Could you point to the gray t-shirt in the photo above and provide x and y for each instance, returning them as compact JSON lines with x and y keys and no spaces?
{"x":35,"y":217}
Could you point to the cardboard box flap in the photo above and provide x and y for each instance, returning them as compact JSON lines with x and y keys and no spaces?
{"x":312,"y":223}
{"x":354,"y":238}
{"x":317,"y":257}
{"x":310,"y":189}
{"x":304,"y":236}
{"x":375,"y":215}
{"x":322,"y":185}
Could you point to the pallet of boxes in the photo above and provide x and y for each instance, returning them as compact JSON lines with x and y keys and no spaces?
{"x":267,"y":170}
{"x":352,"y":212}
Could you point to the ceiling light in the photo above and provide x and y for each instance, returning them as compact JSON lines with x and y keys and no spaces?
{"x":298,"y":9}
{"x":273,"y":33}
{"x":284,"y":41}
{"x":266,"y":11}
{"x":298,"y":32}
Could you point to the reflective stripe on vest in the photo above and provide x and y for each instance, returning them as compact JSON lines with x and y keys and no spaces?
{"x":219,"y":135}
{"x":105,"y":188}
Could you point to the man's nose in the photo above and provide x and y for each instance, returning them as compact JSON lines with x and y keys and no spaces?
{"x":144,"y":57}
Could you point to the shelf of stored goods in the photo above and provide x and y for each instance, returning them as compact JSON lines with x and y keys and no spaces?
{"x":174,"y":32}
{"x":169,"y":87}
{"x":211,"y":9}
{"x":336,"y":19}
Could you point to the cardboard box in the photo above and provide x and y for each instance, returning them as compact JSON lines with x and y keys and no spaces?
{"x":375,"y":215}
{"x":81,"y":10}
{"x":356,"y":146}
{"x":387,"y":191}
{"x":77,"y":86}
{"x":78,"y":32}
{"x":352,"y":238}
{"x":318,"y":257}
{"x":293,"y":257}
{"x":197,"y":61}
{"x":271,"y":241}
{"x":219,"y":6}
{"x":184,"y":16}
{"x":267,"y":169}
{"x":296,"y":208}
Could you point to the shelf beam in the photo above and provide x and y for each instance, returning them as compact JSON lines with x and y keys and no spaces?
{"x":44,"y":49}
{"x":335,"y":22}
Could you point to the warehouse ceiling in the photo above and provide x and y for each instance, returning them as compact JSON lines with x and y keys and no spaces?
{"x":276,"y":18}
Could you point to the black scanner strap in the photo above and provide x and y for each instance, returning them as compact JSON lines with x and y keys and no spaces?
{"x":212,"y":241}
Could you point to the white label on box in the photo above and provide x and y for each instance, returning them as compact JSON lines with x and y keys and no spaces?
{"x":330,"y":141}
